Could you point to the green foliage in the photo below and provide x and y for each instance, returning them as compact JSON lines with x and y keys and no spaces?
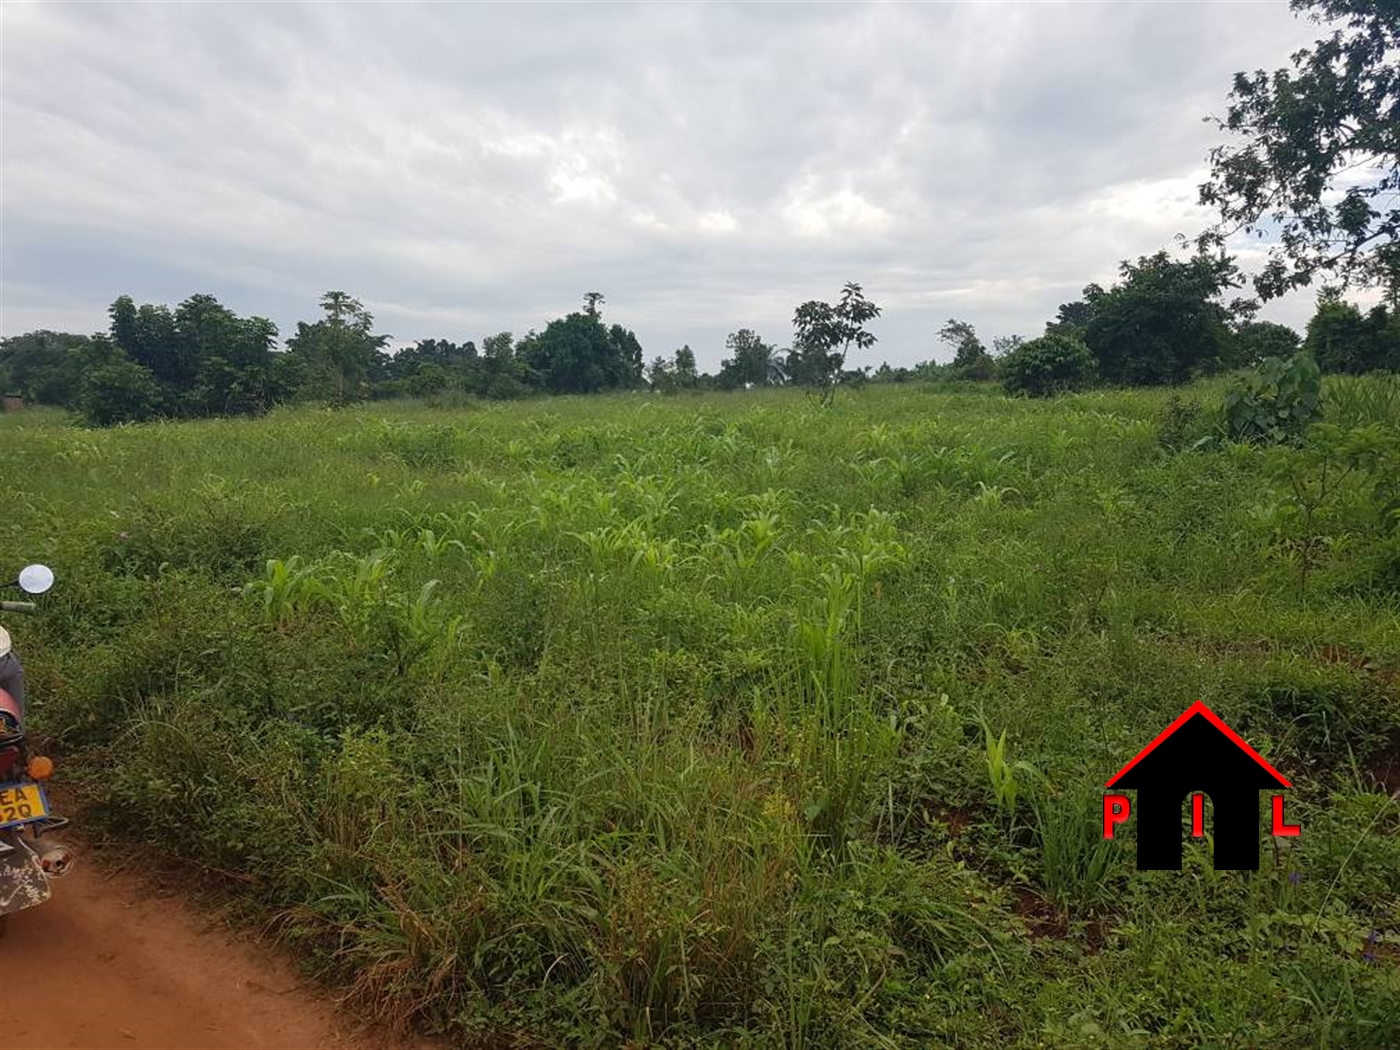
{"x":824,"y":335}
{"x":1076,"y":862}
{"x":1344,"y":340}
{"x":43,"y":367}
{"x":1277,"y":402}
{"x":578,"y":355}
{"x":1180,"y":424}
{"x":1296,"y":133}
{"x":1002,"y":772}
{"x":340,"y":353}
{"x":1327,"y":462}
{"x":1162,"y":322}
{"x":1053,"y":364}
{"x":596,"y":720}
{"x":1255,"y":341}
{"x":970,"y":357}
{"x":684,"y":370}
{"x":752,"y":362}
{"x":120,"y":392}
{"x":1355,"y":402}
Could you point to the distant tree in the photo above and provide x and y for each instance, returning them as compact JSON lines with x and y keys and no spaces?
{"x":660,"y":375}
{"x":970,"y":357}
{"x":750,"y":361}
{"x":502,"y":374}
{"x":149,"y":336}
{"x":1256,"y":340}
{"x":225,"y":360}
{"x":123,"y":323}
{"x":826,"y":333}
{"x":890,"y":374}
{"x":204,"y":358}
{"x":43,"y":367}
{"x":1316,"y":164}
{"x":577,"y":355}
{"x":591,"y":302}
{"x":628,"y":352}
{"x":686,"y":373}
{"x":1162,"y":322}
{"x":1073,"y":318}
{"x":237,"y":378}
{"x":1004,"y":344}
{"x":428,"y":379}
{"x":1343,"y":339}
{"x":341,"y":352}
{"x":121,"y":391}
{"x":1052,"y":364}
{"x":431,"y":366}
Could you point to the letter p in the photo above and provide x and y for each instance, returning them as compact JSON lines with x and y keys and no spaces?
{"x":1116,"y":809}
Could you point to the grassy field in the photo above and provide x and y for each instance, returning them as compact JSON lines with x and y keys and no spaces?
{"x":734,"y":720}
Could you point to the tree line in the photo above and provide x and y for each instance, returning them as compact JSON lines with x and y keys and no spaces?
{"x":1313,"y":161}
{"x":201,"y":359}
{"x":1165,"y":321}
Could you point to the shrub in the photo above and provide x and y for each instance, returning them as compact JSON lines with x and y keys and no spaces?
{"x":1178,"y":424}
{"x":1277,"y":402}
{"x":120,"y":392}
{"x":1047,"y":366}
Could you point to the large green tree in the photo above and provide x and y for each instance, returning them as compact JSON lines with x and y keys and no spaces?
{"x":1163,"y":322}
{"x":43,"y":367}
{"x":970,"y":357}
{"x":1257,"y":340}
{"x":1314,"y":160}
{"x":149,"y":336}
{"x":686,"y":373}
{"x":341,"y":352}
{"x":576,"y":354}
{"x":1343,"y":339}
{"x":752,"y":361}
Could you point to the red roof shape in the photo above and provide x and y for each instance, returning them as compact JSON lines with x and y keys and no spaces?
{"x":1199,"y":708}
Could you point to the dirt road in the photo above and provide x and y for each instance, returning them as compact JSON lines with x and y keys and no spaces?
{"x":114,"y":961}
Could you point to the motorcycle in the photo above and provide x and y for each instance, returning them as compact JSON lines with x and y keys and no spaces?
{"x":29,"y":856}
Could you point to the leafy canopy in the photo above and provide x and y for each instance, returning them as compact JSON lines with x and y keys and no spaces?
{"x":1162,"y":323}
{"x":1052,"y":364}
{"x":1316,"y":157}
{"x":341,"y":351}
{"x":576,"y":354}
{"x":751,"y":361}
{"x":825,"y":334}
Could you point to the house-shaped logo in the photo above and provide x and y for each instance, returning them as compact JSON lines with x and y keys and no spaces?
{"x":1200,"y":755}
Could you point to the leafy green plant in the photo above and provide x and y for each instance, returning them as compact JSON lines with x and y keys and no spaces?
{"x":1328,"y":462}
{"x":1003,"y":773}
{"x":1178,"y":424}
{"x":1276,"y":402}
{"x":1076,"y":861}
{"x":1053,"y":364}
{"x":1356,"y":401}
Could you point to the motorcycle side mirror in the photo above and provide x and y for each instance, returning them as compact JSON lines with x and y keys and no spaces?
{"x":35,"y":579}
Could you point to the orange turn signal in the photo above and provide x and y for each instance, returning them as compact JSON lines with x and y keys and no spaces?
{"x":41,"y":767}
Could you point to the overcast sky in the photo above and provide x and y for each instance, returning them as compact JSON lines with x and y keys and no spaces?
{"x":470,"y":168}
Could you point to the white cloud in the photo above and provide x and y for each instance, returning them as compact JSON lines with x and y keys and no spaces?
{"x":470,"y":168}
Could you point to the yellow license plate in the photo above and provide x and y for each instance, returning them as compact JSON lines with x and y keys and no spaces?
{"x":21,"y":803}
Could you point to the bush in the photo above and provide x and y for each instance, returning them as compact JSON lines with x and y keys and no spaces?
{"x":1047,"y":366}
{"x":1179,"y":423}
{"x":1277,"y":402}
{"x":120,"y":392}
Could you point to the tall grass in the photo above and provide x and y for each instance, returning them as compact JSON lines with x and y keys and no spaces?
{"x":629,"y":720}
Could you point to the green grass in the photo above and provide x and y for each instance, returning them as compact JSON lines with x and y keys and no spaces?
{"x":728,"y":719}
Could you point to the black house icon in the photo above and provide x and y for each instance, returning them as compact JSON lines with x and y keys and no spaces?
{"x":1198,"y":753}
